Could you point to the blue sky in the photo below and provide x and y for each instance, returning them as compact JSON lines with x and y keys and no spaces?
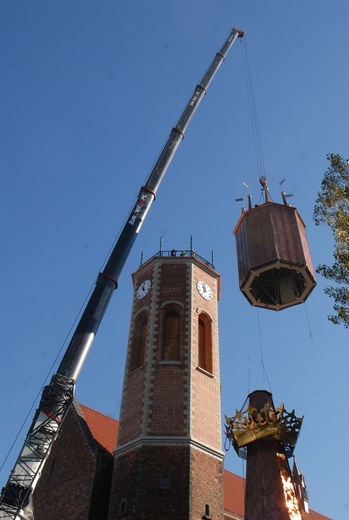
{"x":89,"y":94}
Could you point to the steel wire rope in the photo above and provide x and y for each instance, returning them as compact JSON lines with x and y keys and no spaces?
{"x":253,"y":110}
{"x":243,"y":469}
{"x":249,"y":375}
{"x":50,"y":370}
{"x":310,"y":333}
{"x":260,"y":167}
{"x":44,"y":381}
{"x":264,"y":370}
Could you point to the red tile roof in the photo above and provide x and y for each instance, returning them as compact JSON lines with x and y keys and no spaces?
{"x":104,"y":430}
{"x":234,"y":494}
{"x":313,"y":515}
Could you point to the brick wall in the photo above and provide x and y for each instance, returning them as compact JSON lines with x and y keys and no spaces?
{"x":205,"y":394}
{"x":168,"y":483}
{"x":160,"y":484}
{"x":72,"y":476}
{"x":206,"y":485}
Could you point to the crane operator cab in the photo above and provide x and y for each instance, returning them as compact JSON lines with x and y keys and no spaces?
{"x":274,"y":262}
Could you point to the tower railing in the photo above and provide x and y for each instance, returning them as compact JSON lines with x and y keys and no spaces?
{"x":183,"y":253}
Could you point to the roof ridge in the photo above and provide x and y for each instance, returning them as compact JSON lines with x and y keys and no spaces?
{"x":91,"y":441}
{"x":235,"y":474}
{"x":102,"y":428}
{"x":97,"y":411}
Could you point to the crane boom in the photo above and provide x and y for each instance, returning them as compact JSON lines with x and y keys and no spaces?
{"x":16,"y":496}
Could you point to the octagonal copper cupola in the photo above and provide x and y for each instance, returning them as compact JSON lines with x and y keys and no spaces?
{"x":274,"y":262}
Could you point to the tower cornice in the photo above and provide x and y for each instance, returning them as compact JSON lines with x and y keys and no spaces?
{"x":170,"y":440}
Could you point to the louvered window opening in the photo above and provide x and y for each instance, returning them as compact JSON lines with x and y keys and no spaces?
{"x":171,"y":337}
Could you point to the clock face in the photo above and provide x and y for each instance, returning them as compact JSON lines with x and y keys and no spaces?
{"x":204,"y":290}
{"x":143,"y":289}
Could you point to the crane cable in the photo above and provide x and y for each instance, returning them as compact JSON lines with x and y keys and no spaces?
{"x":54,"y":362}
{"x":49,"y":372}
{"x":264,"y":370}
{"x":260,"y":168}
{"x":253,"y":111}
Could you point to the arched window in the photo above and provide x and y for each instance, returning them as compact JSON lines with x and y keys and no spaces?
{"x":170,"y":348}
{"x":205,"y":343}
{"x":202,"y":344}
{"x":143,"y":339}
{"x":140,"y":339}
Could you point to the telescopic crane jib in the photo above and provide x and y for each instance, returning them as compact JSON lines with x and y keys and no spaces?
{"x":16,"y":496}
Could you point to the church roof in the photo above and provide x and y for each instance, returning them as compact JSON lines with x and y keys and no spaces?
{"x":234,"y":494}
{"x":104,"y":429}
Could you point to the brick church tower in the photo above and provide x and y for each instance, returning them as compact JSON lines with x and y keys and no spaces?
{"x":169,"y":461}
